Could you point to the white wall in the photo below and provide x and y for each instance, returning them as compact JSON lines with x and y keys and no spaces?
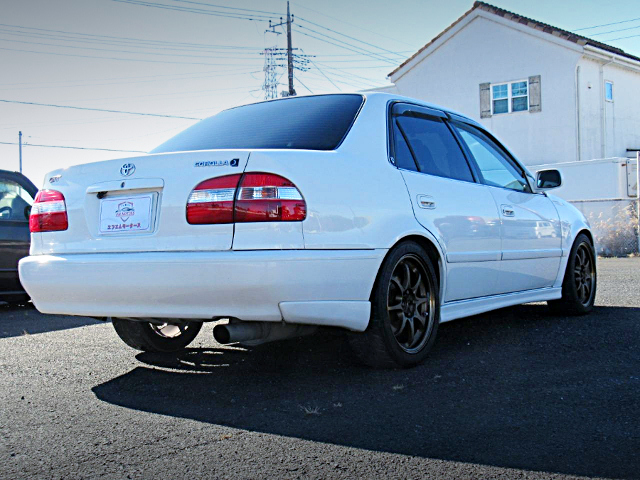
{"x":621,"y":128}
{"x":488,"y":50}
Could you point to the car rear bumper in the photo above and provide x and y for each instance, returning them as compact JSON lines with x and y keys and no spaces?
{"x":317,"y":287}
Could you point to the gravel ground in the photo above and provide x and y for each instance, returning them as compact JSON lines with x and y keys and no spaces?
{"x":516,"y":393}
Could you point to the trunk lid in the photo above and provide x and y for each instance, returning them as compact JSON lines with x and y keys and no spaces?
{"x":138,"y":204}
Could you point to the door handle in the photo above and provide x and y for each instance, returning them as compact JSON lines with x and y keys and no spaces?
{"x":508,"y":211}
{"x":426,"y":201}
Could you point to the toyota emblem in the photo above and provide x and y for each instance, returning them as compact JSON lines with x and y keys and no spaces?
{"x":127,"y":169}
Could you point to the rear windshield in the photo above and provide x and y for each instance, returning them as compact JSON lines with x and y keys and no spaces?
{"x":308,"y":123}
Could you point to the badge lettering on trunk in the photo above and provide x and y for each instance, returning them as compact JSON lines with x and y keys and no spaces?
{"x":218,"y":163}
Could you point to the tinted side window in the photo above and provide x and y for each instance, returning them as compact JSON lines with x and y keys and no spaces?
{"x":497,"y":169}
{"x":434,"y":147}
{"x":401,"y":152}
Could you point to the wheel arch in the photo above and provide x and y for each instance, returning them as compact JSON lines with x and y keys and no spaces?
{"x":433,"y":251}
{"x":589,"y":235}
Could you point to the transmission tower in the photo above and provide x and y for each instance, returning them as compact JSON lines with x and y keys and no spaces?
{"x":270,"y":85}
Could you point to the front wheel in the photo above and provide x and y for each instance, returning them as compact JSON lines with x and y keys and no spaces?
{"x":579,"y":284}
{"x":405,"y":311}
{"x":156,"y":337}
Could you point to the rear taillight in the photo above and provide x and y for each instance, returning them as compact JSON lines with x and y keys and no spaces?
{"x":49,"y":212}
{"x":265,"y":197}
{"x":259,"y":197}
{"x":212,"y":201}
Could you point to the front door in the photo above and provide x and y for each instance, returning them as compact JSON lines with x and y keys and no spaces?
{"x":530,"y":226}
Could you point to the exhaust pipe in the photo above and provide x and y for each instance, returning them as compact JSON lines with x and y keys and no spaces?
{"x":256,"y":333}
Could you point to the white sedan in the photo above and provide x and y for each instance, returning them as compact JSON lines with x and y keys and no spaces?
{"x":375,"y":213}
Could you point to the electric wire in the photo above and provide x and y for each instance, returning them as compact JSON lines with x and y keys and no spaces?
{"x":99,"y":110}
{"x":201,"y":11}
{"x":347,"y":36}
{"x":343,"y":43}
{"x":606,"y":24}
{"x":73,"y":148}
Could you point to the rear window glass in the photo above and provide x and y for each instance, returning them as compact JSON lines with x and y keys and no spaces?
{"x":308,"y":123}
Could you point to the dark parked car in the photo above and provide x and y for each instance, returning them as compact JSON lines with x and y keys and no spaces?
{"x":16,"y":197}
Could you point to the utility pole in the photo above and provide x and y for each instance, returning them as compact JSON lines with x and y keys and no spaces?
{"x":20,"y":149}
{"x":292,"y":91}
{"x":290,"y":65}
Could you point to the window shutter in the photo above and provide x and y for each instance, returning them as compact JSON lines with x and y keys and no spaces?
{"x":535,"y":94}
{"x":485,"y":100}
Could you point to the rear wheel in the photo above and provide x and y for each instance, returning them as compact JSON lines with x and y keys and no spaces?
{"x":579,"y":284}
{"x":405,"y":311}
{"x":156,"y":337}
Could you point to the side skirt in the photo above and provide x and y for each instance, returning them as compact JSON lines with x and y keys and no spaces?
{"x":466,"y":308}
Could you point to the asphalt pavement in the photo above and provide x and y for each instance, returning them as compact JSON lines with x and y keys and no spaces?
{"x":514,"y":394}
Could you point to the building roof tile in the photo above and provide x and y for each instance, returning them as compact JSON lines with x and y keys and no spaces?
{"x":543,"y":27}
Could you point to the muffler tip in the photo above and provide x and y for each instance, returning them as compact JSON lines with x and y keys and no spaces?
{"x":221,"y":334}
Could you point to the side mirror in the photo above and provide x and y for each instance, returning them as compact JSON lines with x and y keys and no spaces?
{"x":27,"y":211}
{"x":548,"y":179}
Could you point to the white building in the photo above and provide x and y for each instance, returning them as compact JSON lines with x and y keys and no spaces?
{"x":551,"y":96}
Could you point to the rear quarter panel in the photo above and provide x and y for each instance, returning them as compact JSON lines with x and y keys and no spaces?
{"x":355,"y":198}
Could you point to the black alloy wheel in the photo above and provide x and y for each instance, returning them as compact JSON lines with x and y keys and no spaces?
{"x":410,"y":304}
{"x":584,"y":274}
{"x":405,"y":311}
{"x":580,"y":280}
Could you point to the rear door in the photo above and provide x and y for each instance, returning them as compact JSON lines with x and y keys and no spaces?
{"x":530,"y":227}
{"x":16,"y":198}
{"x":447,"y":200}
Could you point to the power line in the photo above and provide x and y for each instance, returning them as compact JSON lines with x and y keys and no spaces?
{"x":122,"y":51}
{"x":213,"y":13}
{"x":614,"y":31}
{"x":357,"y":26}
{"x":73,"y":148}
{"x":128,"y":59}
{"x":300,"y":81}
{"x":341,"y":46}
{"x":342,"y":43}
{"x":228,"y":8}
{"x":347,"y":36}
{"x":139,"y":40}
{"x":621,"y":38}
{"x":127,"y":44}
{"x":99,"y":110}
{"x":606,"y":24}
{"x":76,"y":85}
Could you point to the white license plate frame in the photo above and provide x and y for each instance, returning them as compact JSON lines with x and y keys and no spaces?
{"x":126,"y":215}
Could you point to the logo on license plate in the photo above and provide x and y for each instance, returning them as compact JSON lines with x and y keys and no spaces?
{"x":125,"y":211}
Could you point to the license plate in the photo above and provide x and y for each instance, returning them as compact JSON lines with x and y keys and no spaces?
{"x":126,"y":214}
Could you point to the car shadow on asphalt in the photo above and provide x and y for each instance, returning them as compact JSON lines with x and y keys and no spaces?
{"x":24,"y":319}
{"x":514,"y":388}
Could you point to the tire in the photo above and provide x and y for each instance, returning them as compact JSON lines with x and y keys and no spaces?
{"x":150,"y":337}
{"x":405,"y":311}
{"x":580,"y":280}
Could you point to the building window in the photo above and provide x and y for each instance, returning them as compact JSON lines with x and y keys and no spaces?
{"x":509,"y":97}
{"x":608,"y":91}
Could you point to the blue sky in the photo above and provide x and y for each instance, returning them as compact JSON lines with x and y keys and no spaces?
{"x":120,"y":55}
